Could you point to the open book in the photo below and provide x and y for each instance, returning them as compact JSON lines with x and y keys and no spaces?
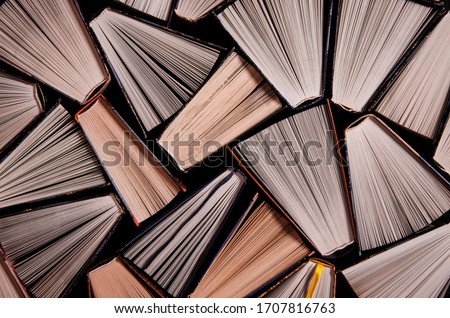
{"x":296,"y":161}
{"x":144,"y":185}
{"x":115,"y":280}
{"x":34,"y":37}
{"x":371,"y":38}
{"x":314,"y":279}
{"x":285,"y":40}
{"x":50,"y":246}
{"x":263,"y":246}
{"x":235,"y":99}
{"x":171,"y":251}
{"x":157,"y":8}
{"x":395,"y":192}
{"x":418,"y":98}
{"x":159,"y":70}
{"x":19,"y":106}
{"x":54,"y":159}
{"x":419,"y":267}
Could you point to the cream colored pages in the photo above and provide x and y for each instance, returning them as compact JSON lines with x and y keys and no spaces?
{"x":394,"y":193}
{"x":115,"y":280}
{"x":143,"y":184}
{"x":285,"y":40}
{"x":19,"y":105}
{"x":235,"y":99}
{"x":157,"y":8}
{"x":54,"y":159}
{"x":158,"y":69}
{"x":418,"y":268}
{"x":34,"y":38}
{"x":418,"y":98}
{"x":264,"y":246}
{"x":296,"y":161}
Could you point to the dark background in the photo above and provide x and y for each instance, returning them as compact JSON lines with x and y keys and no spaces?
{"x":209,"y":30}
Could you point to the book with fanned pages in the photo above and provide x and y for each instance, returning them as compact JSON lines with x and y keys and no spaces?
{"x":417,"y":268}
{"x":442,"y":153}
{"x":286,"y":41}
{"x":296,"y":163}
{"x":160,"y":9}
{"x":21,"y":103}
{"x":235,"y":99}
{"x":394,"y":191}
{"x":158,"y":69}
{"x":53,"y":160}
{"x":50,"y":247}
{"x":173,"y":252}
{"x":368,"y":57}
{"x":34,"y":39}
{"x":262,"y":247}
{"x":193,"y":11}
{"x":10,"y":286}
{"x":142,"y":182}
{"x":313,"y":279}
{"x":419,"y":97}
{"x":115,"y":279}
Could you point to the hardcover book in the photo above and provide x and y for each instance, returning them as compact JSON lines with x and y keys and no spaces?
{"x":34,"y":38}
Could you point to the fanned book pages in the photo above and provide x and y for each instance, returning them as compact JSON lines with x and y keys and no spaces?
{"x":48,"y":247}
{"x":372,"y":35}
{"x":296,"y":161}
{"x":195,"y":10}
{"x":19,"y":106}
{"x":116,"y":280}
{"x":234,"y":100}
{"x":442,"y":154}
{"x":394,"y":192}
{"x":34,"y":37}
{"x":264,"y":246}
{"x":143,"y":184}
{"x":9,"y":287}
{"x":285,"y":41}
{"x":314,"y":279}
{"x":418,"y":98}
{"x":54,"y":159}
{"x":158,"y":69}
{"x":417,"y":268}
{"x":157,"y":8}
{"x":171,"y":251}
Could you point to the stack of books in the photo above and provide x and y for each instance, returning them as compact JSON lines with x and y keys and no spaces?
{"x":217,"y":148}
